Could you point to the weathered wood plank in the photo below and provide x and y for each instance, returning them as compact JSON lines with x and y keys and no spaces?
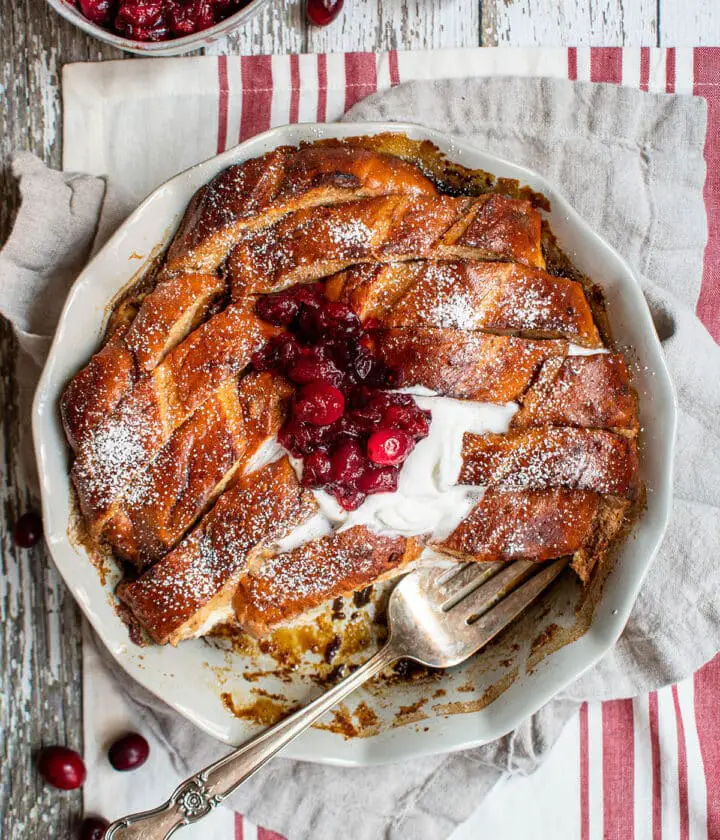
{"x":552,"y":23}
{"x":40,"y":654}
{"x":689,"y":23}
{"x":399,"y":24}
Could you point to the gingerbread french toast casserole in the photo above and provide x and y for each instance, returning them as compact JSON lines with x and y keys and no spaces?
{"x":353,"y":357}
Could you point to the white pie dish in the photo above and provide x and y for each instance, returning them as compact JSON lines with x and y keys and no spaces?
{"x":192,"y":677}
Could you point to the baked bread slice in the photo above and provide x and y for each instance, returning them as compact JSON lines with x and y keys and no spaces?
{"x":536,"y":459}
{"x":258,"y":192}
{"x":166,"y":316}
{"x":465,"y":365}
{"x":497,"y":297}
{"x":281,"y":587}
{"x":181,"y":592}
{"x":120,"y":449}
{"x":538,"y":525}
{"x":195,"y":465}
{"x":589,"y":391}
{"x":310,"y":244}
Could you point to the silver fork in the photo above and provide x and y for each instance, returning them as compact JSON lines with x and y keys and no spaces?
{"x":437,"y":617}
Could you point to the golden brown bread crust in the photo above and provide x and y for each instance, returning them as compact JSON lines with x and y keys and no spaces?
{"x":167,"y":315}
{"x":123,"y":445}
{"x":174,"y":597}
{"x":536,"y":459}
{"x":465,"y":365}
{"x":524,"y":524}
{"x":289,"y":584}
{"x":539,"y":525}
{"x":97,"y":389}
{"x":196,"y":465}
{"x":503,"y":298}
{"x":258,"y":192}
{"x":317,"y":242}
{"x":589,"y":391}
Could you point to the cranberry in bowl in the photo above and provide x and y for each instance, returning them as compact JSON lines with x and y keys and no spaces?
{"x":157,"y":27}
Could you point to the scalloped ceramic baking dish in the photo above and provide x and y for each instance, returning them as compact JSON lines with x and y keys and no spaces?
{"x":549,"y":647}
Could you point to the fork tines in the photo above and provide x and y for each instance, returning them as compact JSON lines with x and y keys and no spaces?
{"x":490,"y":597}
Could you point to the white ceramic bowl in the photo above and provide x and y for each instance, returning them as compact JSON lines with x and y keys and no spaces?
{"x":69,"y":10}
{"x":192,"y":677}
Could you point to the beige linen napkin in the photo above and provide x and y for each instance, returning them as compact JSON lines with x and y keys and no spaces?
{"x":632,"y":165}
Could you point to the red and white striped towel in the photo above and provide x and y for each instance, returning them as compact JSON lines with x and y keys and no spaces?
{"x":643,"y":768}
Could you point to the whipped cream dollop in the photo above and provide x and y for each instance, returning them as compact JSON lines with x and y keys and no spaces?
{"x":428,"y":499}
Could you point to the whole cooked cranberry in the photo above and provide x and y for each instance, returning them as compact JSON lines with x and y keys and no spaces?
{"x":316,"y":469}
{"x":27,"y":530}
{"x":414,"y":421}
{"x":159,"y":31}
{"x":306,"y":370}
{"x":311,"y":295}
{"x":298,"y":438}
{"x":322,"y":12}
{"x":348,"y":497}
{"x":338,"y":320}
{"x":320,"y":403}
{"x":389,"y":447}
{"x":379,"y":480}
{"x":129,"y":752}
{"x":287,"y":350}
{"x":138,"y":14}
{"x":280,"y":309}
{"x":98,"y":11}
{"x":61,"y":767}
{"x":348,"y":463}
{"x":368,"y":417}
{"x":93,"y":828}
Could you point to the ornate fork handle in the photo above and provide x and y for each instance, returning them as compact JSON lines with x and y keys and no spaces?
{"x":201,"y":793}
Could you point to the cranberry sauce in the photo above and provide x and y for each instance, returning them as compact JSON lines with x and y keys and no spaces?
{"x":158,"y":20}
{"x":351,"y":432}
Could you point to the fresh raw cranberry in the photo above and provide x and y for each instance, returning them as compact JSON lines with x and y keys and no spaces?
{"x":98,"y":11}
{"x":307,"y":370}
{"x":379,"y":480}
{"x":27,"y":530}
{"x":348,"y":497}
{"x":316,"y":469}
{"x":129,"y":752}
{"x":320,"y":404}
{"x":322,"y":12}
{"x":93,"y":828}
{"x":389,"y":447}
{"x":280,"y":309}
{"x":348,"y":463}
{"x":61,"y":767}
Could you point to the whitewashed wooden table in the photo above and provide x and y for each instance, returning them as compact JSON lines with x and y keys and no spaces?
{"x":40,"y":695}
